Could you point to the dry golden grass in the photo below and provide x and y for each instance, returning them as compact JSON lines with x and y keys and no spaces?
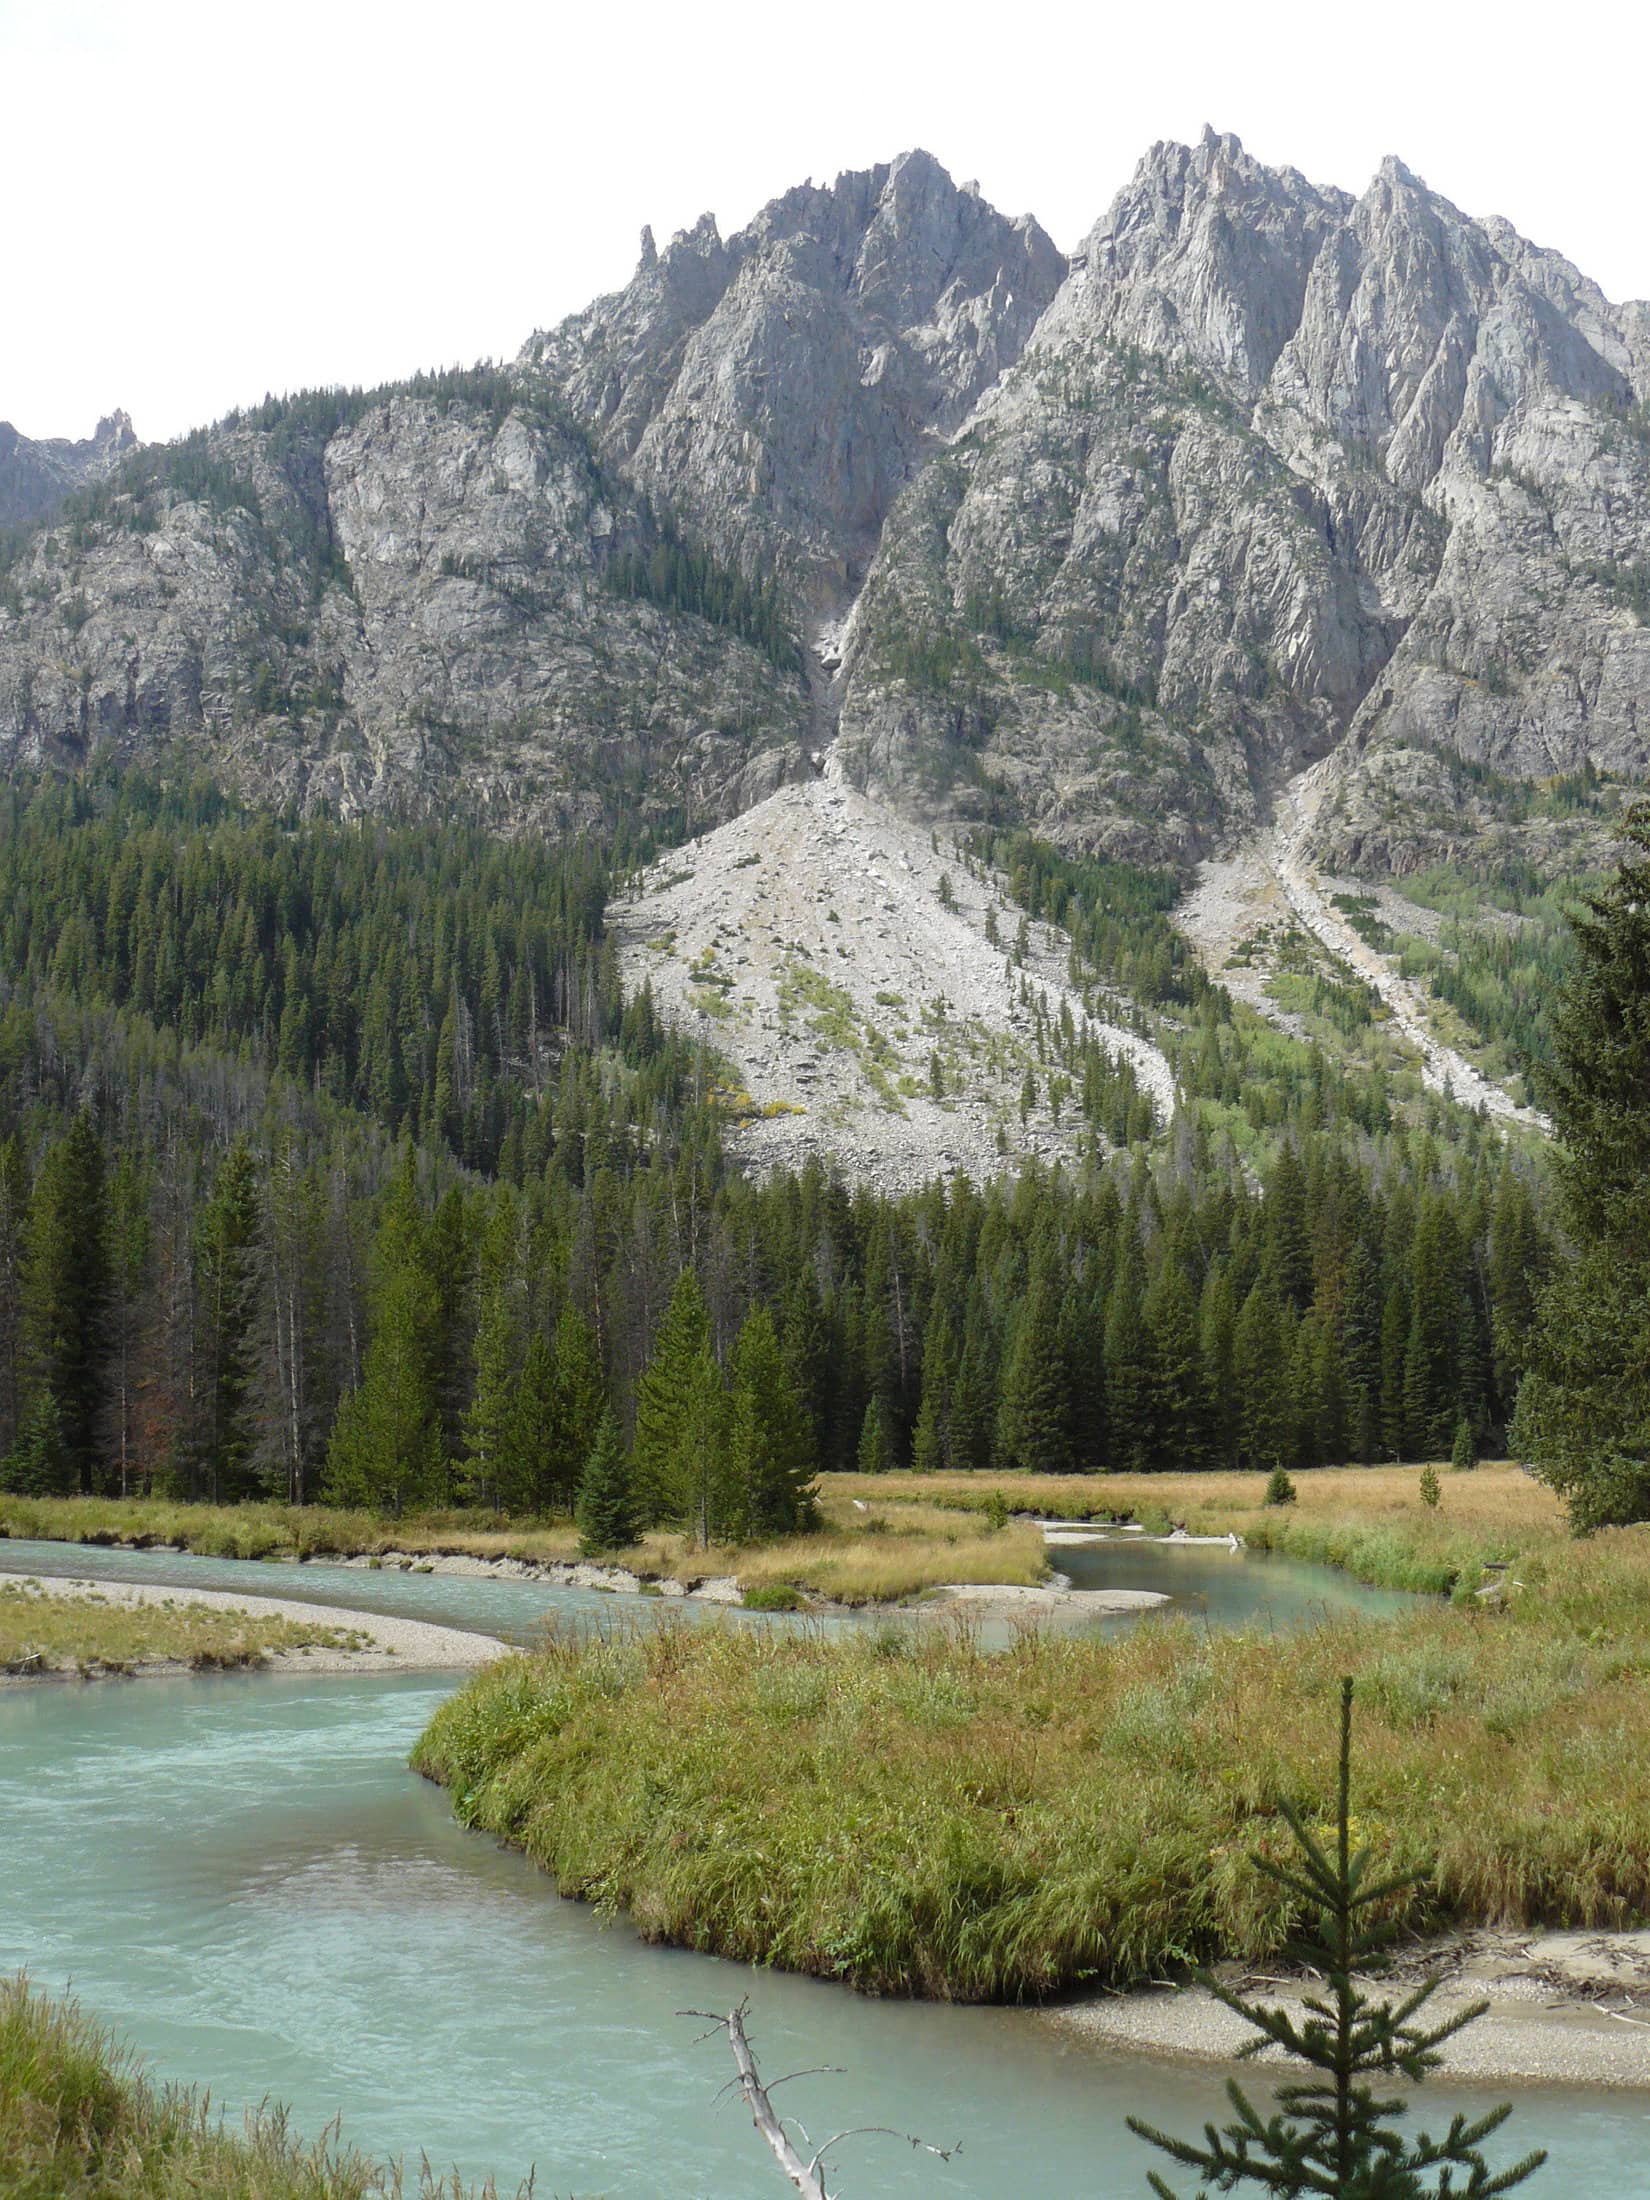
{"x":911,"y":1812}
{"x":1371,"y":1520}
{"x":883,"y":1554}
{"x":42,"y":1632}
{"x":280,"y":1531}
{"x":875,"y":1557}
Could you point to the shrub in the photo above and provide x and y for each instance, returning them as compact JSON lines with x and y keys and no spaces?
{"x":774,"y":1596}
{"x":1280,"y":1490}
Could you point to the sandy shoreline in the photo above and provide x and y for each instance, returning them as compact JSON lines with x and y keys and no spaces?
{"x":1004,"y":1598}
{"x":392,"y":1645}
{"x":1565,"y":2009}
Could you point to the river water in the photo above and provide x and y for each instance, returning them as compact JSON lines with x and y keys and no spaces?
{"x":240,"y":1873}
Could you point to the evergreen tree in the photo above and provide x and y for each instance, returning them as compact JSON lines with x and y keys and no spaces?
{"x":387,"y":1449}
{"x":578,"y":1395}
{"x":491,"y":1467}
{"x":66,"y":1291}
{"x":1583,"y":1417}
{"x":535,"y":1474}
{"x":14,"y":1208}
{"x":606,"y":1511}
{"x":1332,"y":2133}
{"x":770,"y":1439}
{"x":1034,"y":1416}
{"x":1260,"y":1378}
{"x":1170,"y":1316}
{"x":129,"y":1240}
{"x":227,"y":1295}
{"x":928,"y":1437}
{"x":1129,"y":1388}
{"x":39,"y":1465}
{"x":667,"y":1473}
{"x":1434,"y":1330}
{"x":968,"y":1433}
{"x":875,"y":1457}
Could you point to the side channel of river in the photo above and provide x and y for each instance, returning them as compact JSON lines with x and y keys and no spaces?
{"x":242,"y":1875}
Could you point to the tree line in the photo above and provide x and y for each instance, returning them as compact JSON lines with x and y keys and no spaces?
{"x":333,"y":1161}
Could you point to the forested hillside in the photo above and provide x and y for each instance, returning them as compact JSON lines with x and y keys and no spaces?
{"x":332,"y":1160}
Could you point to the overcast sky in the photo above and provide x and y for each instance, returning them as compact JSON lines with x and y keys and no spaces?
{"x":206,"y":200}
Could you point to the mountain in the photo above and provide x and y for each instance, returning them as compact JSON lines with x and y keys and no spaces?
{"x":1266,"y":475}
{"x":35,"y":477}
{"x":779,"y":390}
{"x":1280,"y":473}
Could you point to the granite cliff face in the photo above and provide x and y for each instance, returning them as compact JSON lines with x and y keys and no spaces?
{"x":1266,"y":475}
{"x":1279,"y":473}
{"x":35,"y":477}
{"x":778,"y":390}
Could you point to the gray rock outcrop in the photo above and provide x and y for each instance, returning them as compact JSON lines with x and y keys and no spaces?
{"x":1279,"y":472}
{"x":1267,"y":474}
{"x":36,"y":476}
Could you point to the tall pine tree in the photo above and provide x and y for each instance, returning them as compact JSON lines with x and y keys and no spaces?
{"x":1583,"y":1418}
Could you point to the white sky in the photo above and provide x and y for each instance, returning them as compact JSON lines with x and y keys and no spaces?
{"x":207,"y":199}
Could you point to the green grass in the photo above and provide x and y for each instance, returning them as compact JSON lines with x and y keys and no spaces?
{"x":918,"y":1816}
{"x":43,"y":1632}
{"x":80,"y":2121}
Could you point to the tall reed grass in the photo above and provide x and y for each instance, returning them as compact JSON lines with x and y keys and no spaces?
{"x":920,"y":1816}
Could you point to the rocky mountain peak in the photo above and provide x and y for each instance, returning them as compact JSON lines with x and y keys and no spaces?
{"x":776,"y":390}
{"x":1269,"y":474}
{"x":36,"y":475}
{"x":1205,"y":254}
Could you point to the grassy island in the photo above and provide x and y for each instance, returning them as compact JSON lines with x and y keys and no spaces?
{"x":44,"y":1632}
{"x":917,"y":1815}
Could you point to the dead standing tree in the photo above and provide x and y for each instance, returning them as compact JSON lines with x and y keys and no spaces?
{"x":807,"y":2177}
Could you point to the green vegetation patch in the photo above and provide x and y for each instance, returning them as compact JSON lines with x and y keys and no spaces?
{"x":89,"y":1633}
{"x":916,"y":1815}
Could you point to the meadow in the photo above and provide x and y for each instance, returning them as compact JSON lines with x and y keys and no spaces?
{"x":916,"y":1814}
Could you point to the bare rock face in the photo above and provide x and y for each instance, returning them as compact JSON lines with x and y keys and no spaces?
{"x":1266,"y":475}
{"x":35,"y":477}
{"x":401,"y":603}
{"x":1279,"y":473}
{"x":778,"y":389}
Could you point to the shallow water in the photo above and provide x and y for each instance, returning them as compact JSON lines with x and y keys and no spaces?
{"x":1225,"y":1588}
{"x":242,"y":1875}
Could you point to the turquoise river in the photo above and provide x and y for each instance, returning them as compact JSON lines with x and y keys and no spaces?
{"x":241,"y":1874}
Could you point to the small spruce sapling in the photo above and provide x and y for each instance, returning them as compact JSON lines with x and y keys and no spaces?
{"x":1331,"y":2134}
{"x":1431,"y":1488}
{"x":1464,"y":1457}
{"x":1280,"y":1489}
